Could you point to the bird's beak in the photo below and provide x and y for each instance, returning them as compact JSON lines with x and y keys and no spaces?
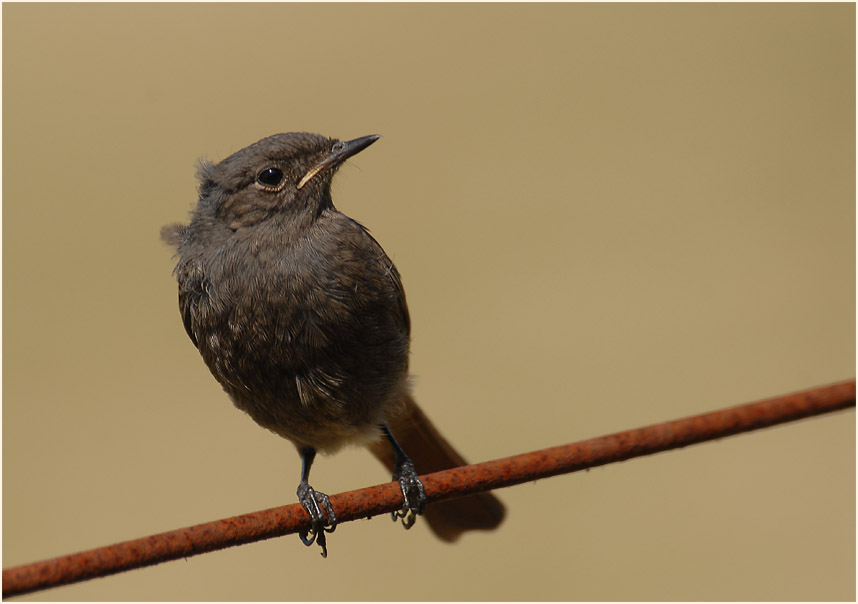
{"x":340,"y":152}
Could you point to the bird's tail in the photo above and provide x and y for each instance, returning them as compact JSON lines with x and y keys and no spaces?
{"x":430,"y":452}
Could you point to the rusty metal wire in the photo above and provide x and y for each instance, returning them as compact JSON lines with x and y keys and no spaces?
{"x":384,"y":498}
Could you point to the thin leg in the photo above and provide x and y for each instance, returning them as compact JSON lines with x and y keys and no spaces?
{"x":412,"y":489}
{"x":317,"y":505}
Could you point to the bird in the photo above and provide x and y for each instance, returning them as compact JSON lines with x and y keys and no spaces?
{"x":301,"y":317}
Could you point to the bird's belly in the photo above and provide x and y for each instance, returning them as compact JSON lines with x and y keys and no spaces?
{"x":316,"y":382}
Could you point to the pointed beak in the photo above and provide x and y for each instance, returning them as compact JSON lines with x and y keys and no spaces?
{"x":340,"y":152}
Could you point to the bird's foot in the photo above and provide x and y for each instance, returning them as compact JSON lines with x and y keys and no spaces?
{"x":318,"y":506}
{"x":413,"y":493}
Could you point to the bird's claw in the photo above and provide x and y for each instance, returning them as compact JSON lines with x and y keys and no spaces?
{"x":318,"y":507}
{"x":413,"y":493}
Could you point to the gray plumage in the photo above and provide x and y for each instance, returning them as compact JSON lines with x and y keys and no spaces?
{"x":295,"y":308}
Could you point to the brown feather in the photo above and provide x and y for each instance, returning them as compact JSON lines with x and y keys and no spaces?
{"x":431,"y":452}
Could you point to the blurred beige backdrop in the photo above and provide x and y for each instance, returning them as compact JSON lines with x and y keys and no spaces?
{"x":606,"y":216}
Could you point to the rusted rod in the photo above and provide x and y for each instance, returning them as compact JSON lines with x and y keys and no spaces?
{"x":383,"y":498}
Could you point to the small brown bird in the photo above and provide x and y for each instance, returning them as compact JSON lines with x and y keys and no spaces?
{"x":301,"y":317}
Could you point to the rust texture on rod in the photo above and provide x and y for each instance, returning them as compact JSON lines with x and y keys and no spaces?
{"x":371,"y":501}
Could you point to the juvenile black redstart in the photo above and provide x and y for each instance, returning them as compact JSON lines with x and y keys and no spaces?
{"x":301,"y":317}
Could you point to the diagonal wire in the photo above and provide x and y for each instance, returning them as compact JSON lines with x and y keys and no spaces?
{"x":384,"y":498}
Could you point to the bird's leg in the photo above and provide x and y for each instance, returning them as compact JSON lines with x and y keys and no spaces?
{"x":412,"y":489}
{"x":317,"y":504}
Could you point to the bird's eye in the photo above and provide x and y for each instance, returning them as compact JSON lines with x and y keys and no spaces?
{"x":338,"y":147}
{"x":270,"y":177}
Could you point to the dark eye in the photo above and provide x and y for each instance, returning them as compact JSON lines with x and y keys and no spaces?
{"x":338,"y":146}
{"x":270,"y":177}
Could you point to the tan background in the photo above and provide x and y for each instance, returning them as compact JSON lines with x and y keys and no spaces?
{"x":606,"y":216}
